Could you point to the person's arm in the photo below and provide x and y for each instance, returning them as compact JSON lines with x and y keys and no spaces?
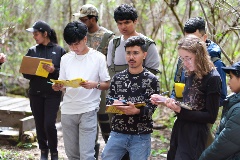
{"x":228,"y":141}
{"x":54,"y":70}
{"x":149,"y":109}
{"x":212,"y":105}
{"x":222,"y":74}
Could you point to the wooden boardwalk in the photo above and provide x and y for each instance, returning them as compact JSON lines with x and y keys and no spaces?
{"x":12,"y":110}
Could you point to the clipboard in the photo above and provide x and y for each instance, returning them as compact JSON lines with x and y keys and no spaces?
{"x":29,"y":64}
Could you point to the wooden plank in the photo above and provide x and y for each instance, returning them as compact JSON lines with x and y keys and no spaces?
{"x":11,"y":120}
{"x":15,"y":105}
{"x":26,"y":124}
{"x":11,"y":101}
{"x":4,"y":98}
{"x":24,"y":110}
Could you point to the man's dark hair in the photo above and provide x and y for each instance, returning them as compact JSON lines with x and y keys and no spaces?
{"x":194,"y":24}
{"x":74,"y":32}
{"x":125,"y":12}
{"x":136,"y":41}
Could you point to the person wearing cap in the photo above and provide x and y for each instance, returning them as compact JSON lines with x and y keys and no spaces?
{"x":201,"y":94}
{"x":2,"y":58}
{"x":226,"y":143}
{"x":98,"y":38}
{"x":44,"y":101}
{"x":80,"y":105}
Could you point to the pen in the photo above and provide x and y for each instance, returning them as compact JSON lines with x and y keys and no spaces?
{"x":121,"y":100}
{"x":50,"y":82}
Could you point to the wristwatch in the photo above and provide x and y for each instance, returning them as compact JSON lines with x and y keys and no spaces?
{"x":98,"y":85}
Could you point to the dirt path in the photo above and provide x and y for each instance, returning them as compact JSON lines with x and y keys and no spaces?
{"x":158,"y":144}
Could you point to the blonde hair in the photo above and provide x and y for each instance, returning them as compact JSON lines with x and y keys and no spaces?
{"x":194,"y":45}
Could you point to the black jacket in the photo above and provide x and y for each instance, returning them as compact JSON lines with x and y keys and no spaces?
{"x":39,"y":85}
{"x":226,"y":145}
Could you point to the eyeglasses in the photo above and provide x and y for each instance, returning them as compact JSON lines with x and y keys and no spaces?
{"x":186,"y":59}
{"x":134,"y":54}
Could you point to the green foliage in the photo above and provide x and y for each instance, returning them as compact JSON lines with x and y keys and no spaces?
{"x":157,"y":152}
{"x":9,"y":155}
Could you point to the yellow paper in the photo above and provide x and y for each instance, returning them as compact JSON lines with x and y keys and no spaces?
{"x":113,"y":109}
{"x":69,"y":83}
{"x":42,"y":72}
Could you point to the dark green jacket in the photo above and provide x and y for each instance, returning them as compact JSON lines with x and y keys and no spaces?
{"x":226,"y":145}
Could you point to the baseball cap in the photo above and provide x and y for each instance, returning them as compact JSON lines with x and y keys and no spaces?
{"x":39,"y":26}
{"x":234,"y":67}
{"x":87,"y":10}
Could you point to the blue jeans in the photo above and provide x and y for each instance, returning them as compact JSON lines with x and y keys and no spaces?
{"x":138,"y":146}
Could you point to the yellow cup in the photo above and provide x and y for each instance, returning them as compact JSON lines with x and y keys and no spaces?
{"x":179,"y":87}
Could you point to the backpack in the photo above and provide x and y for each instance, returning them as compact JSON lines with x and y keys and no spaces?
{"x":113,"y":69}
{"x":104,"y":42}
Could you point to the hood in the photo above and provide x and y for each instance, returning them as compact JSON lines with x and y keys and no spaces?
{"x":232,"y":99}
{"x":213,"y":49}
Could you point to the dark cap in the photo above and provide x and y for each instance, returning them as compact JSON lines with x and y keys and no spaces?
{"x":234,"y":67}
{"x":39,"y":26}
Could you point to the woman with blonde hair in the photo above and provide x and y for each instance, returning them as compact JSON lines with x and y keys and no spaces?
{"x":201,"y":94}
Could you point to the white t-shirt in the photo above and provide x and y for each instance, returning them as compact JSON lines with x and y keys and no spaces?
{"x":91,"y":66}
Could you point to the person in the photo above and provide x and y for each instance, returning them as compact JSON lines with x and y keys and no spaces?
{"x":2,"y":58}
{"x":201,"y":94}
{"x":196,"y":26}
{"x":132,"y":130}
{"x":44,"y":101}
{"x":126,"y":18}
{"x":98,"y":38}
{"x":80,"y":105}
{"x":226,"y":139}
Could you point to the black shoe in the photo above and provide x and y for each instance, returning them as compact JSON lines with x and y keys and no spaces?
{"x":44,"y":154}
{"x":54,"y":156}
{"x":96,"y":148}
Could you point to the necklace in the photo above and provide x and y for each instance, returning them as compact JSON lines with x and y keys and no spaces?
{"x":82,"y":57}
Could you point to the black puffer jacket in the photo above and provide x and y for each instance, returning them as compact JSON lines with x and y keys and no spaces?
{"x":39,"y":85}
{"x":226,"y":145}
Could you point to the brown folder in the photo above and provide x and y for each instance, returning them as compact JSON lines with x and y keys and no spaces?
{"x":29,"y":64}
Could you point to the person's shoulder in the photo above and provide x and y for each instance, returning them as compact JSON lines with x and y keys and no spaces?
{"x":105,"y":30}
{"x":149,"y":74}
{"x":96,"y":53}
{"x":68,"y":55}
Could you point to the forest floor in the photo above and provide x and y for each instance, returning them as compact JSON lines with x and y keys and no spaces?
{"x":159,"y":147}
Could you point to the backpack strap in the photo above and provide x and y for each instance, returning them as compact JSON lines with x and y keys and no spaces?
{"x":116,"y":43}
{"x":214,"y":59}
{"x":179,"y":71}
{"x":104,"y":42}
{"x":117,"y":68}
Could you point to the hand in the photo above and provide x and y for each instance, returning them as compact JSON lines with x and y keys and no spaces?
{"x":49,"y":68}
{"x":171,"y":103}
{"x":128,"y":110}
{"x":89,"y":84}
{"x":157,"y":99}
{"x":2,"y":58}
{"x":57,"y":87}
